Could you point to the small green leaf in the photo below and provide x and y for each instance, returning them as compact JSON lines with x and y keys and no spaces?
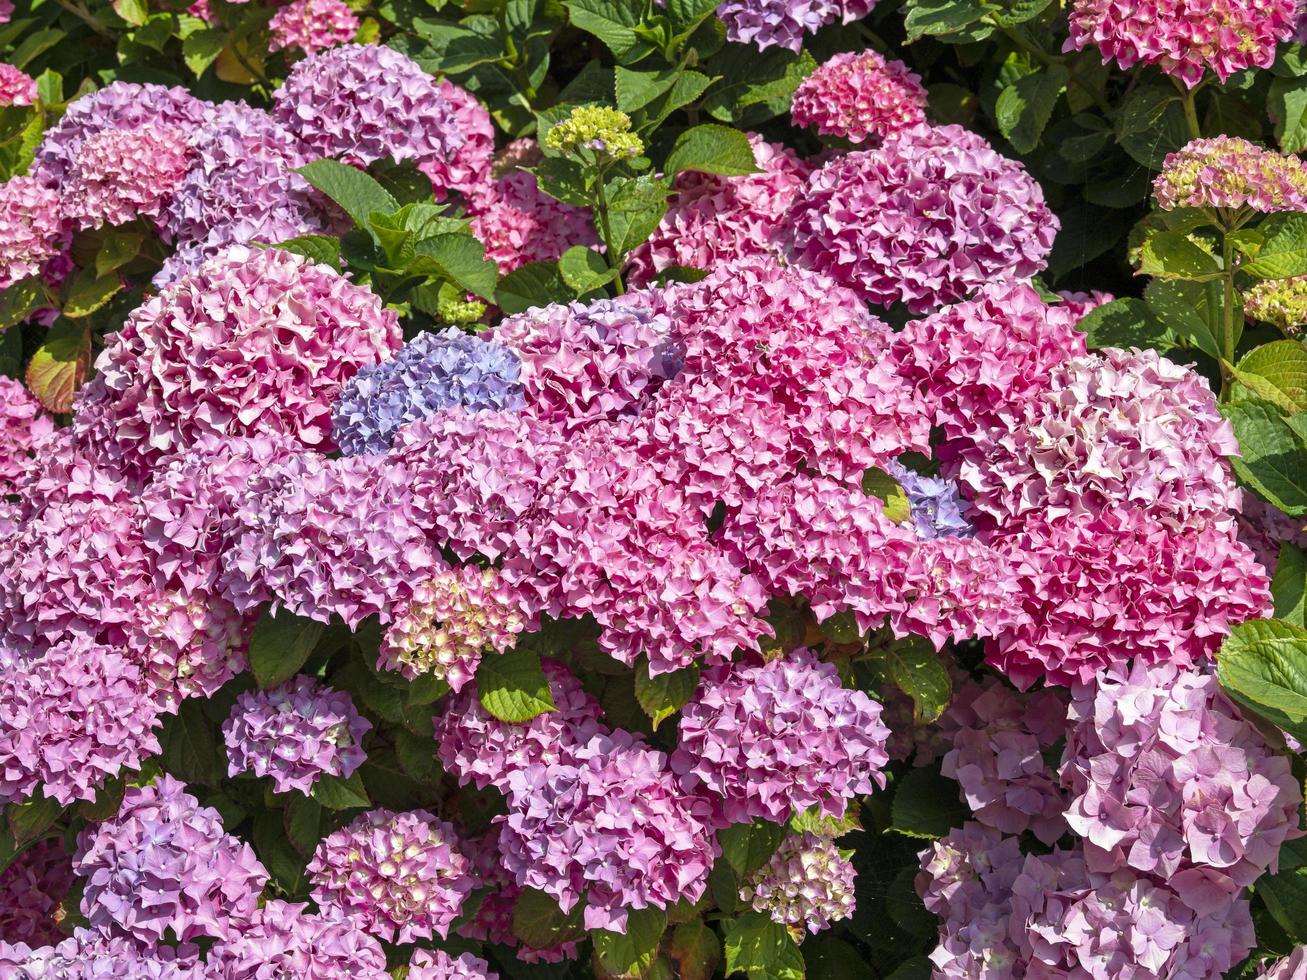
{"x":1272,"y":459}
{"x":748,"y":846}
{"x":59,"y":366}
{"x":1024,"y":107}
{"x":284,"y":863}
{"x":541,"y":924}
{"x":917,"y":671}
{"x":513,"y":687}
{"x":814,"y":820}
{"x":926,"y":805}
{"x":134,"y":12}
{"x":531,"y":285}
{"x":89,"y":293}
{"x":712,"y":149}
{"x":116,"y":250}
{"x":1174,"y":255}
{"x":30,"y":820}
{"x":461,"y":259}
{"x":584,"y":269}
{"x":877,"y":483}
{"x":1283,"y":365}
{"x":1019,"y":12}
{"x":1263,"y":666}
{"x":1284,"y":248}
{"x":664,"y":695}
{"x":358,"y":193}
{"x":613,"y":22}
{"x":632,"y":953}
{"x":635,"y":206}
{"x":1289,"y":585}
{"x":305,"y":824}
{"x":21,"y":300}
{"x":636,"y":89}
{"x":280,"y":646}
{"x":936,"y":17}
{"x":761,"y":947}
{"x":1125,"y":323}
{"x":201,"y":49}
{"x":336,"y":793}
{"x":695,"y":950}
{"x":322,"y":249}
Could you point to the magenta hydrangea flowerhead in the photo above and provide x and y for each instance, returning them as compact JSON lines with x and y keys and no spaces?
{"x":714,"y":221}
{"x":765,"y":23}
{"x":32,"y":891}
{"x":90,"y":955}
{"x":164,"y":863}
{"x":773,"y":740}
{"x":116,"y":175}
{"x":398,"y":876}
{"x":30,"y":228}
{"x":807,"y":886}
{"x":71,"y":719}
{"x":312,"y":25}
{"x":1230,"y":173}
{"x":1183,"y":38}
{"x":609,"y":826}
{"x":283,"y":939}
{"x":929,"y":216}
{"x":1169,"y":779}
{"x":998,"y":740}
{"x":467,"y":170}
{"x":362,"y":102}
{"x":439,"y":965}
{"x":519,"y":223}
{"x":16,"y":86}
{"x":859,"y":96}
{"x":295,"y":732}
{"x":257,"y":341}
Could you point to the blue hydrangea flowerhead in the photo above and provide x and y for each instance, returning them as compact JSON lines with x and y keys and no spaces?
{"x":431,"y":373}
{"x":938,"y":509}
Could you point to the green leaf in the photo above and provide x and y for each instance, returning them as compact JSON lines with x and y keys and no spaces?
{"x":1125,"y":323}
{"x":1151,"y":123}
{"x":688,"y":14}
{"x":455,"y":48}
{"x":755,"y":86}
{"x":917,"y":671}
{"x":284,"y":863}
{"x":1285,"y":892}
{"x":21,"y":300}
{"x":1190,"y":310}
{"x":305,"y":824}
{"x":1019,"y":12}
{"x":664,"y":695}
{"x":89,"y":293}
{"x":689,"y":85}
{"x":322,"y":249}
{"x":461,"y":259}
{"x":695,"y":950}
{"x":1282,"y":364}
{"x":416,"y":756}
{"x":1284,"y":248}
{"x":135,"y":12}
{"x":633,"y":953}
{"x":531,"y":285}
{"x":116,"y":250}
{"x":877,"y":483}
{"x":584,"y":269}
{"x":814,"y":820}
{"x":280,"y":646}
{"x":201,"y":49}
{"x":358,"y":193}
{"x":1286,"y":103}
{"x":635,"y":206}
{"x":612,"y":21}
{"x":936,"y":17}
{"x":35,"y":45}
{"x":827,"y":957}
{"x":1272,"y":459}
{"x":541,"y":924}
{"x":761,"y":947}
{"x":926,"y":805}
{"x":1174,"y":255}
{"x":336,"y":793}
{"x":30,"y":820}
{"x":59,"y":366}
{"x":1024,"y":107}
{"x":513,"y":687}
{"x":748,"y":846}
{"x":50,"y":87}
{"x":916,"y":968}
{"x":1289,"y":585}
{"x":636,"y":89}
{"x":712,"y":149}
{"x":190,"y":750}
{"x":1263,"y":666}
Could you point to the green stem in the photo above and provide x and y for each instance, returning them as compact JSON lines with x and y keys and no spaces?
{"x":1188,"y":100}
{"x":1227,"y":320}
{"x":601,"y":206}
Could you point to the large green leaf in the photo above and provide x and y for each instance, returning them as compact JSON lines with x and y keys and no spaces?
{"x":1287,"y":102}
{"x":635,"y":206}
{"x":917,"y":671}
{"x":1151,"y":123}
{"x":584,"y":269}
{"x":541,"y":924}
{"x":712,"y":149}
{"x":1263,"y":665}
{"x":1289,"y":585}
{"x":1272,"y":457}
{"x":280,"y":646}
{"x":59,"y":366}
{"x":762,"y":948}
{"x":531,"y":285}
{"x":1285,"y":892}
{"x":1174,"y":255}
{"x":1191,"y":310}
{"x":1125,"y":323}
{"x":755,"y":85}
{"x":748,"y":846}
{"x":926,"y":804}
{"x":664,"y":695}
{"x":1283,"y":365}
{"x":513,"y":687}
{"x":357,"y":192}
{"x":631,"y":953}
{"x":336,"y":793}
{"x":613,"y":22}
{"x":1284,"y":249}
{"x":461,"y":259}
{"x":939,"y":17}
{"x":190,"y":749}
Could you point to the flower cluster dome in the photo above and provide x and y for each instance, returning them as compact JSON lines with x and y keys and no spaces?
{"x":859,"y":96}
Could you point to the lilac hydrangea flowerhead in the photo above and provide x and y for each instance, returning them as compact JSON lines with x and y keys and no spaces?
{"x":32,"y":890}
{"x":117,"y":174}
{"x":30,"y":228}
{"x":119,"y":105}
{"x":582,"y":362}
{"x":807,"y":886}
{"x":312,"y":25}
{"x":468,"y":168}
{"x":398,"y":876}
{"x":938,"y":508}
{"x":363,"y":102}
{"x":90,"y":955}
{"x":16,"y":86}
{"x":1291,"y":967}
{"x":1230,"y":173}
{"x":478,"y":748}
{"x":432,"y":372}
{"x":1169,"y":779}
{"x":439,"y":965}
{"x":1183,"y":38}
{"x":929,"y":216}
{"x":610,"y":827}
{"x":283,"y":939}
{"x":164,"y":863}
{"x":998,"y":740}
{"x":295,"y":733}
{"x":714,"y":221}
{"x":450,"y":621}
{"x":777,"y":739}
{"x":23,"y":428}
{"x":257,"y":341}
{"x":1279,"y":302}
{"x":765,"y":23}
{"x":859,"y":96}
{"x":519,"y":223}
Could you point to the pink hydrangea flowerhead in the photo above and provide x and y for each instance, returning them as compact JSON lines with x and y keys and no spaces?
{"x":1279,"y":302}
{"x":71,"y":719}
{"x":6,"y":10}
{"x":807,"y":886}
{"x":1229,"y":172}
{"x":398,"y":876}
{"x":118,"y":174}
{"x":165,"y":864}
{"x":583,"y":362}
{"x":519,"y":223}
{"x":923,"y":220}
{"x":363,"y":102}
{"x":774,"y":740}
{"x":859,"y":96}
{"x":312,"y":25}
{"x":1291,"y":967}
{"x":449,"y":623}
{"x":1184,"y":38}
{"x":1264,"y":528}
{"x":257,"y":341}
{"x":611,"y":827}
{"x":467,"y":170}
{"x":764,"y":23}
{"x":23,"y":428}
{"x":193,"y":643}
{"x":294,"y":733}
{"x":439,"y":965}
{"x":90,"y":955}
{"x":30,"y":228}
{"x":478,"y":748}
{"x":714,"y":221}
{"x":32,"y":890}
{"x":282,"y":939}
{"x":16,"y":86}
{"x":1168,"y":778}
{"x":998,"y":740}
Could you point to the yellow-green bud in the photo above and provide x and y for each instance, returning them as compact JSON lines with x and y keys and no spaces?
{"x":602,"y":130}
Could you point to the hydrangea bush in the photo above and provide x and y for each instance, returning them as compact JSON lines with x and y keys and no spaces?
{"x":605,"y":490}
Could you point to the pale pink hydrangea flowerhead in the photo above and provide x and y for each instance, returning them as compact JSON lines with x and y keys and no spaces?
{"x":807,"y":886}
{"x":116,"y":175}
{"x":1291,"y":967}
{"x":439,"y":965}
{"x":312,"y":25}
{"x":16,"y":86}
{"x":283,"y":939}
{"x":90,"y":955}
{"x":859,"y":96}
{"x":30,"y":228}
{"x":397,"y":876}
{"x":1229,"y":173}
